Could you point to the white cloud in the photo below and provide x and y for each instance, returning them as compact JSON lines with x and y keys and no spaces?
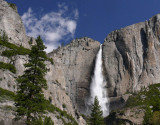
{"x":53,"y":26}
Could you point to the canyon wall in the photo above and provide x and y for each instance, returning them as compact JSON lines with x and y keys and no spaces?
{"x":73,"y":67}
{"x":131,"y":58}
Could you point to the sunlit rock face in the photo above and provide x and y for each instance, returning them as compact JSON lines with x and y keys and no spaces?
{"x":131,"y":58}
{"x":73,"y":66}
{"x":11,"y":24}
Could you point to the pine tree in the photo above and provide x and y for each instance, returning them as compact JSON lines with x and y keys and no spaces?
{"x":30,"y":98}
{"x":96,"y":117}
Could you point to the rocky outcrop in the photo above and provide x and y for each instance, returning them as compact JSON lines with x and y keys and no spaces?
{"x":73,"y":67}
{"x":127,"y":116}
{"x":11,"y":24}
{"x":131,"y":57}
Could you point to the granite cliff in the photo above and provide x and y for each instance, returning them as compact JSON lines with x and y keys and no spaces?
{"x":131,"y":59}
{"x":73,"y":67}
{"x":12,"y":25}
{"x":130,"y":62}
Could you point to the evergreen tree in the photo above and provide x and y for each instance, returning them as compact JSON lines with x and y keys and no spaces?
{"x":96,"y":117}
{"x":47,"y":121}
{"x":30,"y":98}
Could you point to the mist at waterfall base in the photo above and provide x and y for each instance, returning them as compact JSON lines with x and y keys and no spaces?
{"x":98,"y":84}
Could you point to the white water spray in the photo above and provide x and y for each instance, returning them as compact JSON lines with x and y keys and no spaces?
{"x":98,"y":84}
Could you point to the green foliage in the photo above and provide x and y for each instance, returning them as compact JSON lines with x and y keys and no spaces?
{"x":30,"y":98}
{"x":53,"y":109}
{"x":12,"y":5}
{"x":30,"y":42}
{"x":134,"y":100}
{"x":7,"y":94}
{"x":152,"y":114}
{"x":149,"y":99}
{"x":49,"y":106}
{"x":155,"y":119}
{"x":47,"y":121}
{"x":64,"y":105}
{"x":50,"y":99}
{"x":114,"y":120}
{"x":14,"y":50}
{"x":8,"y":66}
{"x":151,"y":96}
{"x":4,"y":42}
{"x":147,"y":116}
{"x":96,"y":117}
{"x":50,"y":60}
{"x":8,"y":108}
{"x":4,"y":37}
{"x":151,"y":118}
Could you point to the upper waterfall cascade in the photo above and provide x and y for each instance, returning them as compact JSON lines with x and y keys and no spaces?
{"x":98,"y":84}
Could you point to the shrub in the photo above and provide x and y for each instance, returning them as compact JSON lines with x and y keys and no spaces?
{"x":64,"y":105}
{"x":7,"y":93}
{"x":51,"y":60}
{"x":52,"y":108}
{"x":149,"y":99}
{"x":8,"y":107}
{"x":8,"y":66}
{"x":155,"y":120}
{"x":50,"y":99}
{"x":13,"y":6}
{"x":14,"y":50}
{"x":47,"y":121}
{"x":147,"y":116}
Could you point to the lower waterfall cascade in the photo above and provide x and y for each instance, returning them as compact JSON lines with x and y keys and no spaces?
{"x":97,"y":87}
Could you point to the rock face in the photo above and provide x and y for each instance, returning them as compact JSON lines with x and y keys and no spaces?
{"x":73,"y":67}
{"x":131,"y":57}
{"x":127,"y":116}
{"x":11,"y":24}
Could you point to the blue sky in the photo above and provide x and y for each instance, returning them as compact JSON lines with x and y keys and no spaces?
{"x":60,"y":21}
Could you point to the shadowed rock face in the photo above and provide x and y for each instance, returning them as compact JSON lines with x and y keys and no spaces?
{"x":131,"y":57}
{"x":73,"y":66}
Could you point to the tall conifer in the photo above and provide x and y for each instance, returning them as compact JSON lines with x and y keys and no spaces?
{"x":96,"y":117}
{"x":30,"y":98}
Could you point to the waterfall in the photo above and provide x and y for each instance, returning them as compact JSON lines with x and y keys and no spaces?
{"x":98,"y":84}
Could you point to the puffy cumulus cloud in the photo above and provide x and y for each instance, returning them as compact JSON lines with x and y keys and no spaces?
{"x":53,"y":26}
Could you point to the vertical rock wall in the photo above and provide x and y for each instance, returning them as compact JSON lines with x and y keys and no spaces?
{"x":11,"y":24}
{"x":73,"y":66}
{"x":132,"y":57}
